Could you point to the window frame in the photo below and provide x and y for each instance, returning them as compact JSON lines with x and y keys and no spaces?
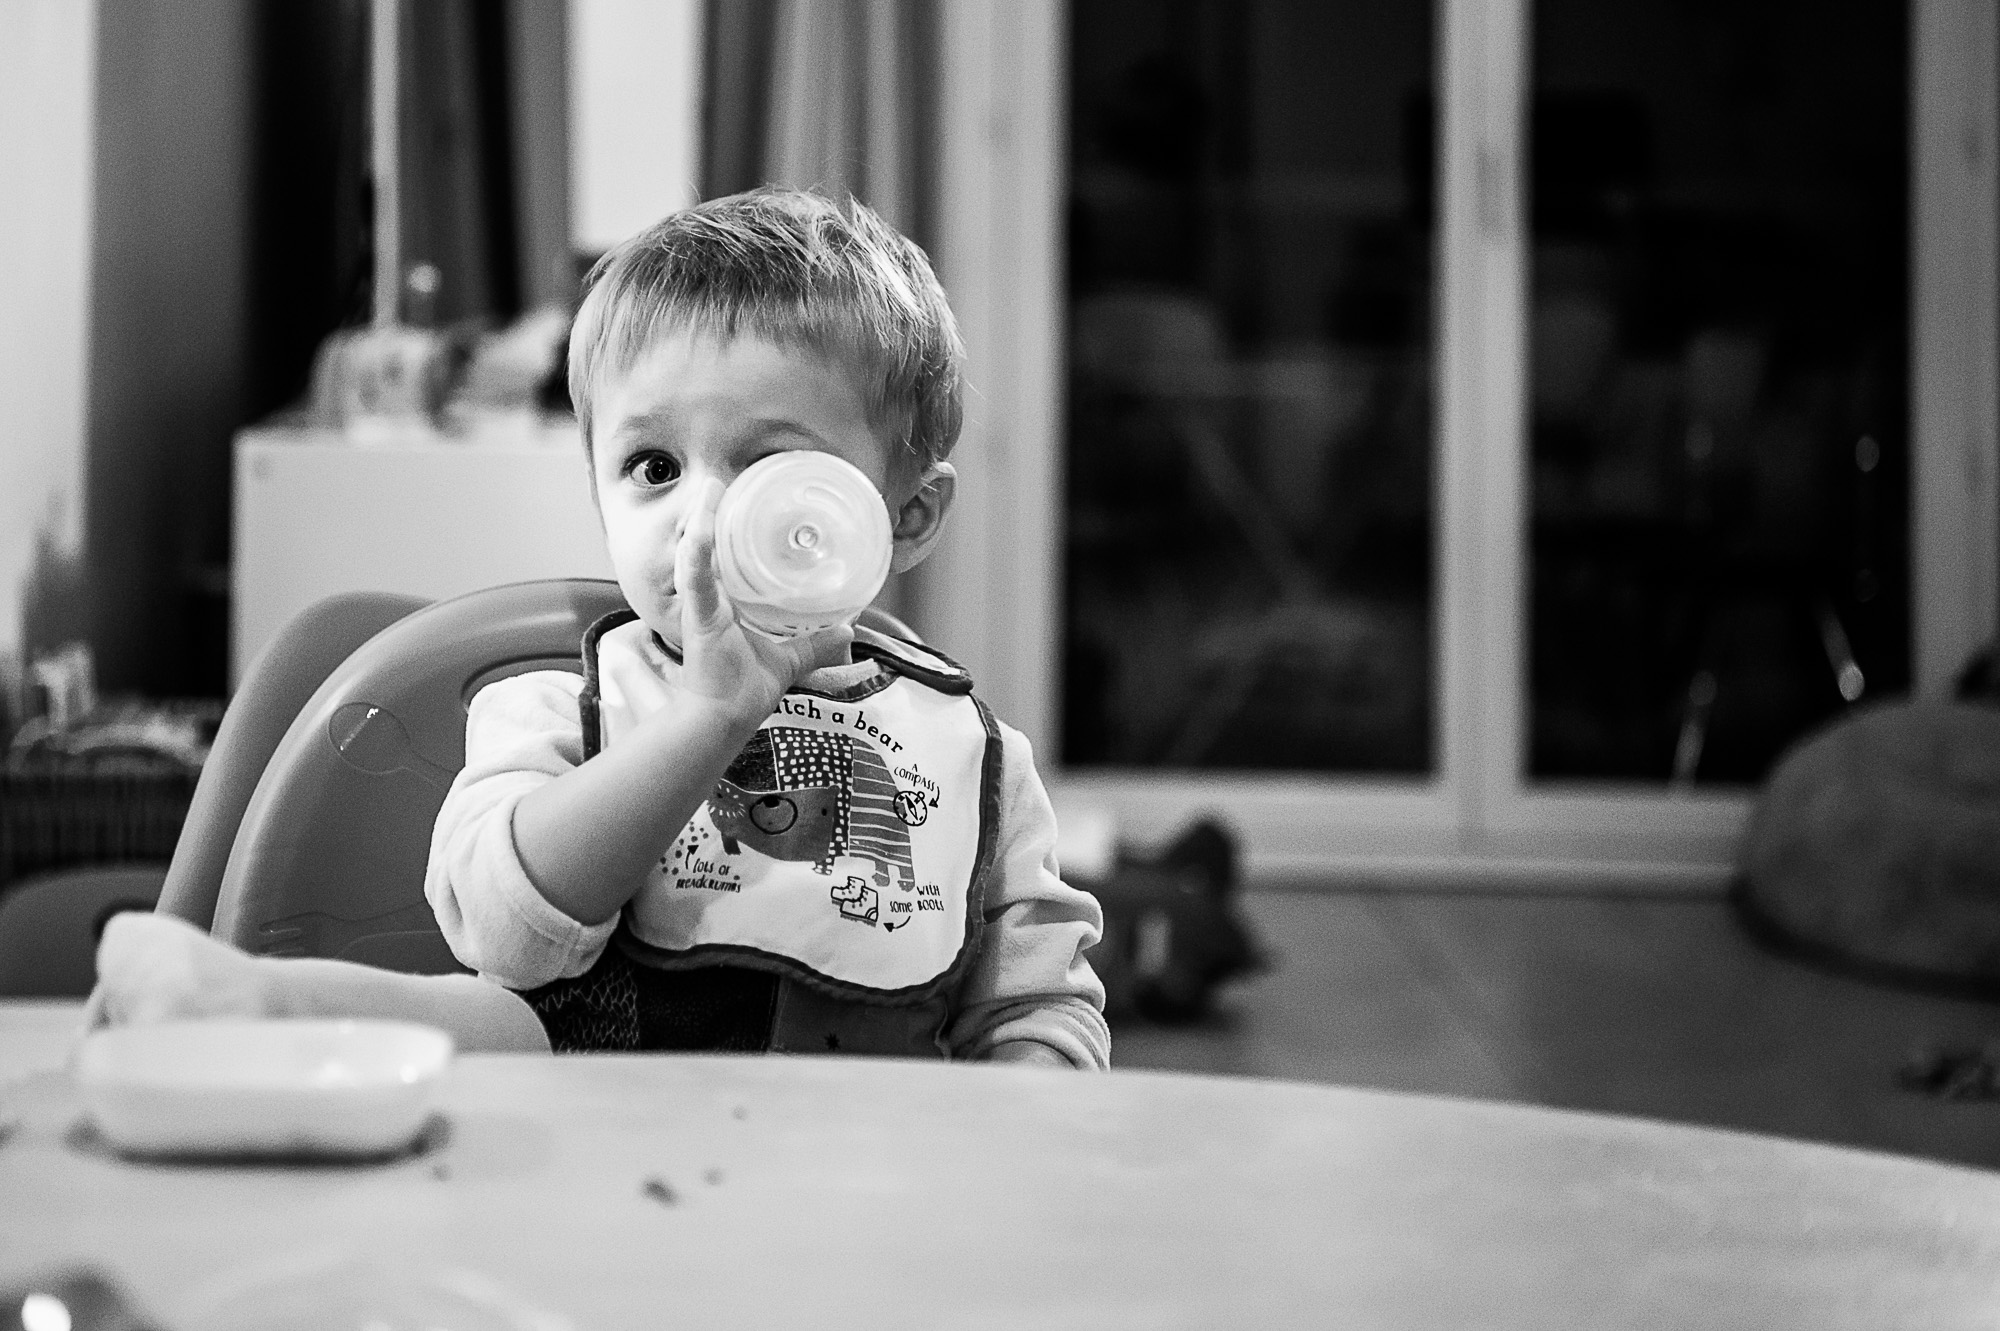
{"x":991,"y":594}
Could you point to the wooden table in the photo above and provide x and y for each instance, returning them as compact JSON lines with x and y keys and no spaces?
{"x":773,"y":1192}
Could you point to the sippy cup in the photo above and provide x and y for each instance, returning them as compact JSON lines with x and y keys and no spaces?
{"x":801,"y":543}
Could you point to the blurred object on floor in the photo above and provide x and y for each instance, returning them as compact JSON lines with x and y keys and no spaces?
{"x":1875,"y":846}
{"x":1980,"y":680}
{"x":50,"y":924}
{"x":1612,"y":1002}
{"x":1958,"y":1072}
{"x":1172,"y":931}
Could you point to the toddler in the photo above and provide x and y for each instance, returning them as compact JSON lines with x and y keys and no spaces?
{"x":715,"y":839}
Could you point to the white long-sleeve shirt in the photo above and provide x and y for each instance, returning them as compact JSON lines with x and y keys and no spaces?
{"x":1029,"y":981}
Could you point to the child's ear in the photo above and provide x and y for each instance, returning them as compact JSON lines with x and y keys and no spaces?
{"x":919,"y":522}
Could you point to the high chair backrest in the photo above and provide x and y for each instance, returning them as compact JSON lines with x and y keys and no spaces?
{"x":283,"y":677}
{"x":328,"y":859}
{"x":325,"y":856}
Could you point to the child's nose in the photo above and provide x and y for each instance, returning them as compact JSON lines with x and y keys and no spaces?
{"x":698,"y":493}
{"x":706,"y":491}
{"x":700,"y":476}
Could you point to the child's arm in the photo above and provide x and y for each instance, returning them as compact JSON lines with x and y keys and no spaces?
{"x":157,"y":968}
{"x":587,"y":838}
{"x":1031,"y":996}
{"x":1028,"y":1051}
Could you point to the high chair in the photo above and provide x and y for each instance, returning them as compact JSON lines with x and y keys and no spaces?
{"x":311,"y":824}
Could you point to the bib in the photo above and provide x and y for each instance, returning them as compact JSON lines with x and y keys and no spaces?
{"x":846,"y":845}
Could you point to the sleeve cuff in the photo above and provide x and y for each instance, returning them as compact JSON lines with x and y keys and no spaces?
{"x":568,"y":946}
{"x":1070,"y":1026}
{"x":507,"y":930}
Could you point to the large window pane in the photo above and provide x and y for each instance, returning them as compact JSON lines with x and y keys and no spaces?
{"x":1248,"y":558}
{"x":1718,"y":368}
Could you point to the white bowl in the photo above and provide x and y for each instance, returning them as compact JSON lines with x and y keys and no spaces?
{"x":341,"y":1088}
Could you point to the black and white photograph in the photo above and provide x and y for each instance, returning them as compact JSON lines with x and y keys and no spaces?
{"x":999,"y":664}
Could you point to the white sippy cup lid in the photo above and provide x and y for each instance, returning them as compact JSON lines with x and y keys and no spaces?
{"x":802,"y":541}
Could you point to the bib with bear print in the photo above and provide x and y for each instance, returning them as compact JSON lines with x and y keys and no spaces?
{"x":847,"y":842}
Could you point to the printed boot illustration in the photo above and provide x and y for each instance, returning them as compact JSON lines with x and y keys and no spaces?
{"x":857,"y":900}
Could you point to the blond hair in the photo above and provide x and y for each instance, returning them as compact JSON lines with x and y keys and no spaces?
{"x":796,"y":269}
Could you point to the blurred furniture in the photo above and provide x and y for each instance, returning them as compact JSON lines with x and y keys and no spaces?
{"x":60,"y":810}
{"x":431,"y":516}
{"x":49,"y":925}
{"x":760,"y":1192}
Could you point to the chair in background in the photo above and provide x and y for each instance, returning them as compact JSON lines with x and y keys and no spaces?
{"x":49,"y":925}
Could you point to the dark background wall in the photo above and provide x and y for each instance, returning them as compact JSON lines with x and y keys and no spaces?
{"x":233,"y":233}
{"x":170,"y":335}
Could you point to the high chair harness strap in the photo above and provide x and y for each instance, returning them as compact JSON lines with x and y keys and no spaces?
{"x":589,"y":710}
{"x":925,"y":665}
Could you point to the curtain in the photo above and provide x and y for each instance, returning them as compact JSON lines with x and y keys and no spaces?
{"x":834,"y":95}
{"x":457,"y":161}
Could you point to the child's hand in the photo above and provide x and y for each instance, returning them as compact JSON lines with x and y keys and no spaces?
{"x":744,"y":671}
{"x":158,"y":968}
{"x":1032,"y":1052}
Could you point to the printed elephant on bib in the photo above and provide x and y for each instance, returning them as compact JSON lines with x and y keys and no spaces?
{"x":812,"y":796}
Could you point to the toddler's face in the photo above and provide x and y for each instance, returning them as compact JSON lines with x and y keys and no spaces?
{"x":692,"y":412}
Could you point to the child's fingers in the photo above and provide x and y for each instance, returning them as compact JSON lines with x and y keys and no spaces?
{"x":157,"y":968}
{"x":824,"y":647}
{"x":96,"y":1008}
{"x":121,"y":959}
{"x":694,"y":559}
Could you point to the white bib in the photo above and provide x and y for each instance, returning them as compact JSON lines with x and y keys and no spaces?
{"x":848,"y":840}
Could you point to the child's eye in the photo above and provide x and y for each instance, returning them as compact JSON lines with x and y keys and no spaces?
{"x":653,"y":469}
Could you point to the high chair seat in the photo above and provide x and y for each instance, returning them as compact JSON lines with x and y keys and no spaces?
{"x":325,"y":856}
